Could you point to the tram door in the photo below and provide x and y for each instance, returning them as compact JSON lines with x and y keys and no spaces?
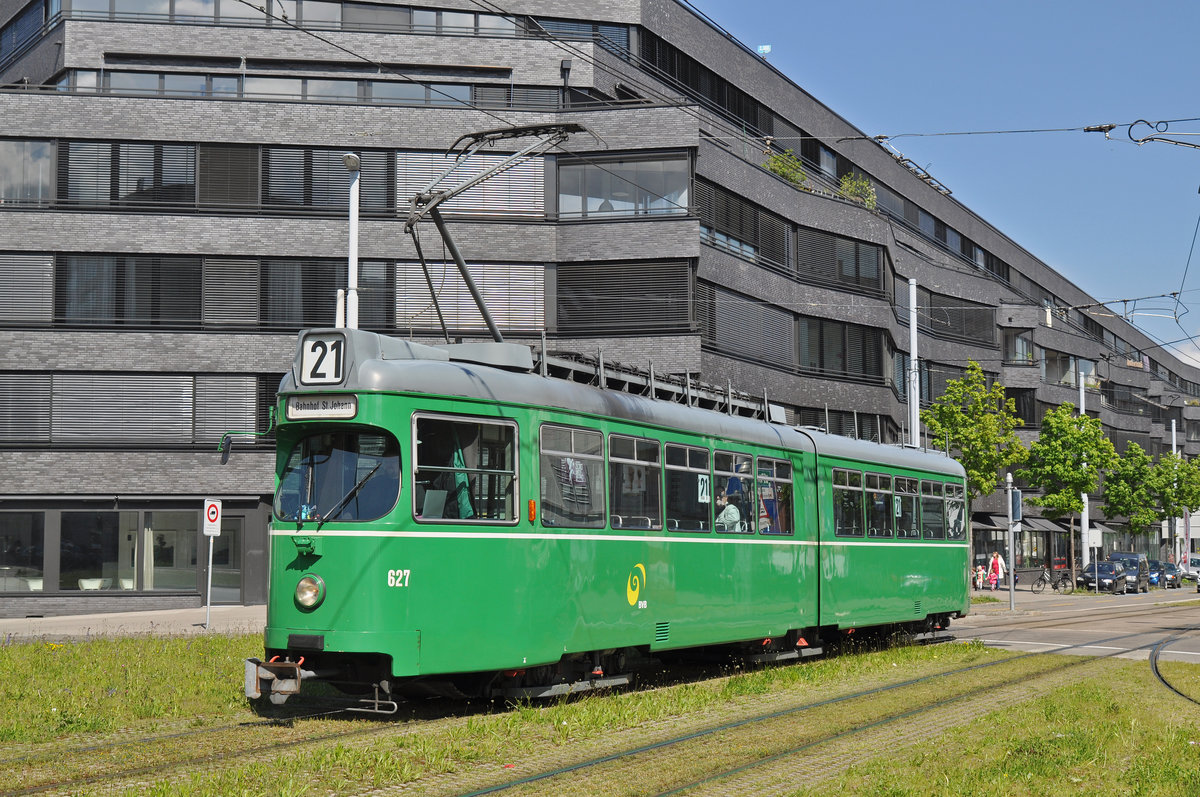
{"x":227,"y":561}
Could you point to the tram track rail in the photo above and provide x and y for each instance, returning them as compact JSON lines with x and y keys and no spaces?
{"x":1086,"y":615}
{"x":900,"y":726}
{"x":70,"y":767}
{"x":1156,"y":654}
{"x":793,"y":731}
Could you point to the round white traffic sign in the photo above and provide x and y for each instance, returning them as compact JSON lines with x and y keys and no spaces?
{"x":212,"y":517}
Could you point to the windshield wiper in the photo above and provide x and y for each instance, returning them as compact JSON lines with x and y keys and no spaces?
{"x":340,"y":505}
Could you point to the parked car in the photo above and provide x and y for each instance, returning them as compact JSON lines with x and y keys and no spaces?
{"x":1172,"y":576}
{"x":1137,"y":569}
{"x":1112,"y":577}
{"x":1191,"y":568}
{"x":1156,"y":569}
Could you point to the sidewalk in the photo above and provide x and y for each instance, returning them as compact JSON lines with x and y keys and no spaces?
{"x":1025,"y":600}
{"x":173,"y":622}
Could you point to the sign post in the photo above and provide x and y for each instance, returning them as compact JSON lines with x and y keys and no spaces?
{"x":212,"y":528}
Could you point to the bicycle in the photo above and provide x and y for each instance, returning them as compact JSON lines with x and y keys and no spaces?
{"x":1060,"y":583}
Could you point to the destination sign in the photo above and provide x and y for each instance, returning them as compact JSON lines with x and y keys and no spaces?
{"x":316,"y":406}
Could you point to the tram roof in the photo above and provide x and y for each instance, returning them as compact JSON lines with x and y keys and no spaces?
{"x":379,"y":363}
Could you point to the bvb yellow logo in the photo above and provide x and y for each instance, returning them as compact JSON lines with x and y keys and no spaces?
{"x":634,"y":585}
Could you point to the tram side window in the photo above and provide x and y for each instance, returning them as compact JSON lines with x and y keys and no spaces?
{"x":774,"y":496}
{"x":689,"y":489}
{"x":933,"y":511}
{"x":907,"y":508}
{"x":847,"y":503}
{"x":880,"y":509}
{"x":340,"y":476}
{"x":733,"y":480}
{"x":465,"y":470}
{"x":635,"y":479}
{"x":955,"y":513}
{"x":572,"y":477}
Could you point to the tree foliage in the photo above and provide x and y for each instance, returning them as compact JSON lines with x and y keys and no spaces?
{"x":979,"y":424}
{"x":1066,"y":460}
{"x":1174,"y":486}
{"x":1127,"y":489}
{"x":858,"y":187}
{"x":786,"y":165}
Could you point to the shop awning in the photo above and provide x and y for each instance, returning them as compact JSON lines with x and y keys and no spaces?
{"x":1041,"y":524}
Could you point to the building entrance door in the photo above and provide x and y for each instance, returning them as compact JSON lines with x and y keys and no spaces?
{"x":227,"y":562}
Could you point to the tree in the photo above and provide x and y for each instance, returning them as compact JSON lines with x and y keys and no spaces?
{"x":1174,"y":486}
{"x":978,"y":422}
{"x":1127,"y":489}
{"x":1065,"y":461}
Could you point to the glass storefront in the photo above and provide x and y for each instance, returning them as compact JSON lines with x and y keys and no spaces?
{"x":22,"y":540}
{"x":170,"y":543}
{"x":144,"y":550}
{"x":97,"y":551}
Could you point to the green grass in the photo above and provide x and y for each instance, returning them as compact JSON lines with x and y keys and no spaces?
{"x":1122,"y":731}
{"x":1120,"y":723}
{"x":51,"y":689}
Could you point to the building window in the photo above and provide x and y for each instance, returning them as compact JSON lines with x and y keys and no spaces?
{"x":129,"y":291}
{"x":22,"y":551}
{"x":318,"y":180}
{"x":129,"y":174}
{"x":303,"y":293}
{"x":97,"y":551}
{"x":733,"y":224}
{"x":610,"y":187}
{"x":168,"y":552}
{"x":828,"y":259}
{"x":638,"y":298}
{"x":515,"y":292}
{"x":1018,"y":346}
{"x":23,"y":28}
{"x":27,"y":177}
{"x":836,"y":348}
{"x":747,"y":328}
{"x":517,"y":191}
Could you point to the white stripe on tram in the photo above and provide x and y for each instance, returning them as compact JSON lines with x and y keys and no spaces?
{"x":716,"y":540}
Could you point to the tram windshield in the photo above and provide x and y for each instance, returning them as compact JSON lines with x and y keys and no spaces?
{"x":340,"y":476}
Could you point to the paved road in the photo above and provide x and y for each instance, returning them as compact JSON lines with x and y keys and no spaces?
{"x":172,"y":622}
{"x":1088,"y":624}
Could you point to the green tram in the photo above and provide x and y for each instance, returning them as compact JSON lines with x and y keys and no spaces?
{"x":449,"y":521}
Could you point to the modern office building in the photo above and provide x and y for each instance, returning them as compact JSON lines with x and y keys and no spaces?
{"x":174,"y":208}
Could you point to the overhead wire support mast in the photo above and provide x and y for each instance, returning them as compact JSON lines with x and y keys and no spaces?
{"x":426,"y":201}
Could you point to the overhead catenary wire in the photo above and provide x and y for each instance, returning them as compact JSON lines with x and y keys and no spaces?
{"x":686,"y":104}
{"x":386,"y":68}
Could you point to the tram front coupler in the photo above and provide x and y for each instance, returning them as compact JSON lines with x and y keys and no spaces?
{"x":278,"y":679}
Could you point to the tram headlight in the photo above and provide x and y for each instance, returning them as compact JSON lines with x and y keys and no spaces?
{"x":310,"y":591}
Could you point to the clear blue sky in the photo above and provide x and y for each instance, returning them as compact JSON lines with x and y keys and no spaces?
{"x":1113,"y":217}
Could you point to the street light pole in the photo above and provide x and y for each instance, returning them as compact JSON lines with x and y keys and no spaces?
{"x":352,"y":163}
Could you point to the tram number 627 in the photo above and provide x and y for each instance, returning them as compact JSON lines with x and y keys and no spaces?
{"x":322,"y":360}
{"x":398,"y":578}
